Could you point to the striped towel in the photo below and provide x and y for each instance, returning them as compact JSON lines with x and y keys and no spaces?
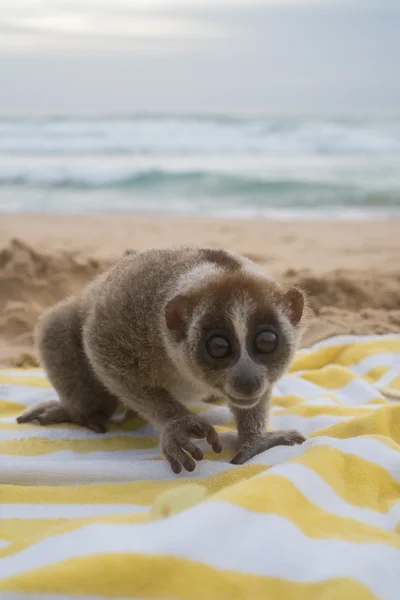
{"x":102,"y":516}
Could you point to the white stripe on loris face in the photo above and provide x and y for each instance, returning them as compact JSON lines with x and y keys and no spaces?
{"x":254,"y":269}
{"x":197,"y":274}
{"x":239,"y":315}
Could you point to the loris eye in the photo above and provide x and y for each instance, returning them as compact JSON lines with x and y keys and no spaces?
{"x":218,"y":346}
{"x":266,"y":341}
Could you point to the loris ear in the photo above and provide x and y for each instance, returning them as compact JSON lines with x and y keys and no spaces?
{"x":177,"y":314}
{"x":294,"y":301}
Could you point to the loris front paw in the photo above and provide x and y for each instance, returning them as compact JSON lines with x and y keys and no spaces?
{"x":176,"y":444}
{"x":261,"y":443}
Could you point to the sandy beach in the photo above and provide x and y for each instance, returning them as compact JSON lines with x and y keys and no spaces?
{"x":351,"y":270}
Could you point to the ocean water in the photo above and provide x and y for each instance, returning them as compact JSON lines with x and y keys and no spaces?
{"x":274,"y":167}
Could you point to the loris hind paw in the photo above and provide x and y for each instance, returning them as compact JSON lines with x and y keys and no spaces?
{"x":52,"y":412}
{"x":45,"y":413}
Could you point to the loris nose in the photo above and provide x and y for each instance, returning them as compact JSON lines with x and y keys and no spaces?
{"x":247,"y":383}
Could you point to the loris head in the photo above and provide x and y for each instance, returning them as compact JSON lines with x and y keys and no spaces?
{"x":236,"y":332}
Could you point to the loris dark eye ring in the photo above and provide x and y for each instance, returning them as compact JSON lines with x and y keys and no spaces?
{"x":266,"y":342}
{"x":218,"y":346}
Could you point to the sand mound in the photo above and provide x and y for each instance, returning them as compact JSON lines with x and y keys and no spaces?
{"x":351,"y":290}
{"x":345,"y":302}
{"x":31,"y":281}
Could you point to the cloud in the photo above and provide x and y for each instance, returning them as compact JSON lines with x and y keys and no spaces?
{"x":70,"y":27}
{"x":200,"y":55}
{"x":81,"y":24}
{"x":179,"y":20}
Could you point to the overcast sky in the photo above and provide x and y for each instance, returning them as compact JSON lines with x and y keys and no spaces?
{"x":111,"y":56}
